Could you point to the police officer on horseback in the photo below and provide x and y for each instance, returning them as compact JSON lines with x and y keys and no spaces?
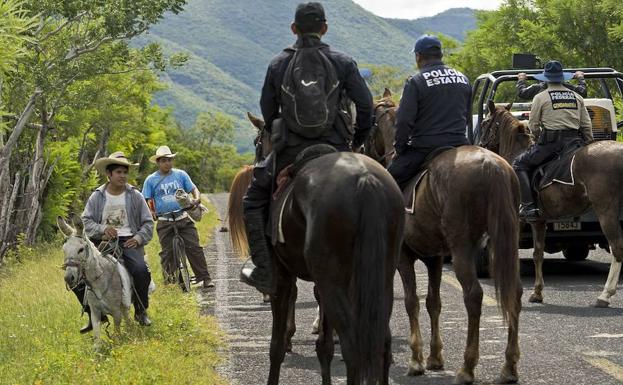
{"x":433,"y":113}
{"x":558,"y":116}
{"x":303,"y":90}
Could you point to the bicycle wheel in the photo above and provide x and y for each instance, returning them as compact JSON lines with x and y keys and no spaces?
{"x":181,"y":263}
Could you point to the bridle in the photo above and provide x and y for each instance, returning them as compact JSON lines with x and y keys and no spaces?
{"x":113,"y":250}
{"x":371,"y":141}
{"x":489,"y":134}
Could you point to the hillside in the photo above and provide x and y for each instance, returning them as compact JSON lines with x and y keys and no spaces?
{"x":230,"y":42}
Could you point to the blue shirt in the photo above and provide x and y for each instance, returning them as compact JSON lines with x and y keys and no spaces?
{"x":162,"y":189}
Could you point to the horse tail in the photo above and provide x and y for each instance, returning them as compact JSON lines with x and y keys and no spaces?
{"x":237,"y":229}
{"x":503,"y":229}
{"x":370,"y":268}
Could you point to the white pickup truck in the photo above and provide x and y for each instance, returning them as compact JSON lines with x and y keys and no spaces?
{"x":574,"y":236}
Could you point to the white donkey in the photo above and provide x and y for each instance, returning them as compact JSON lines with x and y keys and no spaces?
{"x":108,"y":282}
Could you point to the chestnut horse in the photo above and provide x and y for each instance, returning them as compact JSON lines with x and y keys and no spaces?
{"x":467,"y":201}
{"x":342,"y":223}
{"x":598,"y":176}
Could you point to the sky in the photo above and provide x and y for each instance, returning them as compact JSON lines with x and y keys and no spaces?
{"x":413,"y":9}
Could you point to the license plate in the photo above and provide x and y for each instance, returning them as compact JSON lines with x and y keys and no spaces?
{"x":567,"y":226}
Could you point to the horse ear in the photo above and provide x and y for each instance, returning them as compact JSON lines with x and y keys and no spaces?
{"x":64,"y":227}
{"x":508,"y":106}
{"x":387,"y":93}
{"x":257,"y":122}
{"x":77,"y":221}
{"x":491,"y":106}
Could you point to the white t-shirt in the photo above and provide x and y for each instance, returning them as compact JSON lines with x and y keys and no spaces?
{"x":116,"y":215}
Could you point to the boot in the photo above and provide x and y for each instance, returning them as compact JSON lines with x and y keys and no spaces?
{"x":141,"y":318}
{"x":89,"y":326}
{"x":257,"y":270}
{"x":527,"y":210}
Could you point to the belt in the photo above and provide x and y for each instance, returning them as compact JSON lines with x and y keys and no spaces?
{"x":172,"y":217}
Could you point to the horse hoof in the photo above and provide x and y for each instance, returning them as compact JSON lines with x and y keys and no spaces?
{"x":508,"y":379}
{"x":266,"y":298}
{"x":601,"y":303}
{"x":463,"y":378}
{"x":289,"y":347}
{"x":415,"y":370}
{"x":535,"y":298}
{"x":434,"y":364}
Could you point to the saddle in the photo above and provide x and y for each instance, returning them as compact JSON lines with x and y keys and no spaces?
{"x":285,"y":186}
{"x":557,"y":170}
{"x":410,"y":191}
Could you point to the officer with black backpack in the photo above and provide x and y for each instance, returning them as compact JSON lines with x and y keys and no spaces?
{"x":303,"y":98}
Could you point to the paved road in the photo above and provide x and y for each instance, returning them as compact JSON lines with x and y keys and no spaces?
{"x":563,"y":341}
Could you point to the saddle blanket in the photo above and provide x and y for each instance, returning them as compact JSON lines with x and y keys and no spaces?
{"x":559,"y":170}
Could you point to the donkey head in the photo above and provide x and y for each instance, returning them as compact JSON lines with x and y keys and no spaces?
{"x":75,"y":248}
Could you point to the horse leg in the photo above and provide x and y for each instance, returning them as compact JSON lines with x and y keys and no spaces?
{"x":96,"y":321}
{"x":465,"y":270}
{"x":538,"y":236}
{"x":324,"y":347}
{"x":609,"y":221}
{"x":433,"y":306}
{"x":291,"y":326}
{"x":316,"y":324}
{"x":279,"y":303}
{"x":412,"y":305}
{"x":509,"y":373}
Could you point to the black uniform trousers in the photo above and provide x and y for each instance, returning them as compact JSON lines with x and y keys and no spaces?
{"x":407,"y":164}
{"x":134,"y":262}
{"x":545,"y":150}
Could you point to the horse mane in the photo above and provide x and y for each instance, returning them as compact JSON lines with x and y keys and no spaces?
{"x":509,"y":131}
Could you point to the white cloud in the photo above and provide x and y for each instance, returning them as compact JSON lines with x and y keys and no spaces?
{"x":412,"y":9}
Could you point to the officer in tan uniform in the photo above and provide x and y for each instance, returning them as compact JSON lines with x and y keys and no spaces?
{"x":558,"y":115}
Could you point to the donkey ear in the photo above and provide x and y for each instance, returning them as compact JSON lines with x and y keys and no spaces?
{"x":387,"y":93}
{"x":491,"y":106}
{"x":64,"y":227}
{"x":77,"y":221}
{"x":257,"y":122}
{"x":508,"y":106}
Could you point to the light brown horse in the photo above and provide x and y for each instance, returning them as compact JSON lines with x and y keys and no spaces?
{"x":342,"y":224}
{"x":598,"y":176}
{"x":467,"y":201}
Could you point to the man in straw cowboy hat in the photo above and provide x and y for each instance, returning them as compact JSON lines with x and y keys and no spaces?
{"x":558,"y":116}
{"x":117,"y":210}
{"x":159,"y":190}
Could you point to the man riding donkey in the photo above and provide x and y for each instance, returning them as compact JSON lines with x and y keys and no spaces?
{"x":558,"y":116}
{"x":159,"y":190}
{"x":302,"y":91}
{"x":116,"y":212}
{"x":433,"y":112}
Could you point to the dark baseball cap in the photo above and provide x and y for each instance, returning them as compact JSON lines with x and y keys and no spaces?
{"x":427,"y":44}
{"x":308,"y":13}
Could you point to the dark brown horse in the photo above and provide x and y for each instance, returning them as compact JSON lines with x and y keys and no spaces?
{"x":598,"y":176}
{"x":342,"y":224}
{"x":467,"y":201}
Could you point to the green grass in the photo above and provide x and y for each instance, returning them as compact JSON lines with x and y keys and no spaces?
{"x":39,"y":322}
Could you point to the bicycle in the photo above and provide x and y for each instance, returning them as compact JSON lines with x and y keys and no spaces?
{"x":180,"y":261}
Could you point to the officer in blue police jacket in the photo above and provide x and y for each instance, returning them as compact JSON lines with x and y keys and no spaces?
{"x":433,"y":112}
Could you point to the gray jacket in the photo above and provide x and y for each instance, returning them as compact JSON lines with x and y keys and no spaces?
{"x":139,"y":217}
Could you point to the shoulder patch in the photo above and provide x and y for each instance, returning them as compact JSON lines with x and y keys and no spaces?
{"x":563,"y":100}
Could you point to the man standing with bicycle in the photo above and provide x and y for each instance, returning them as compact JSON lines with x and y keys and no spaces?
{"x":159,"y":191}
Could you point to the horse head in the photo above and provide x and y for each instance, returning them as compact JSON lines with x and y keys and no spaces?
{"x":76,"y":249}
{"x":262,"y":143}
{"x":504,"y":134}
{"x":380,"y":143}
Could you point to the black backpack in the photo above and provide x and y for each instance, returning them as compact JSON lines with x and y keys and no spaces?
{"x":310,"y":93}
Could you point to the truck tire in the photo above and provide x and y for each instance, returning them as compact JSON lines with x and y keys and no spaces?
{"x":576,"y":253}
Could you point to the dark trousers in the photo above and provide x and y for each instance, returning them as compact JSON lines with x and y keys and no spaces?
{"x":259,"y":193}
{"x":134,"y":262}
{"x":407,"y":164}
{"x":538,"y":154}
{"x":188,"y":231}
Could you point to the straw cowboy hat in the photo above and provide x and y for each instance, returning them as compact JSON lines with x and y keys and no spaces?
{"x":162,"y":151}
{"x":114,"y":158}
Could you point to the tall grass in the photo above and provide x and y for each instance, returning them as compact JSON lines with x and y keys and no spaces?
{"x":39,"y":322}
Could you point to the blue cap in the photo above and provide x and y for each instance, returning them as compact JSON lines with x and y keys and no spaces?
{"x":427,"y":44}
{"x":553,"y":73}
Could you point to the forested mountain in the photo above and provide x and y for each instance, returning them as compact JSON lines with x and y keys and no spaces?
{"x":230,"y":42}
